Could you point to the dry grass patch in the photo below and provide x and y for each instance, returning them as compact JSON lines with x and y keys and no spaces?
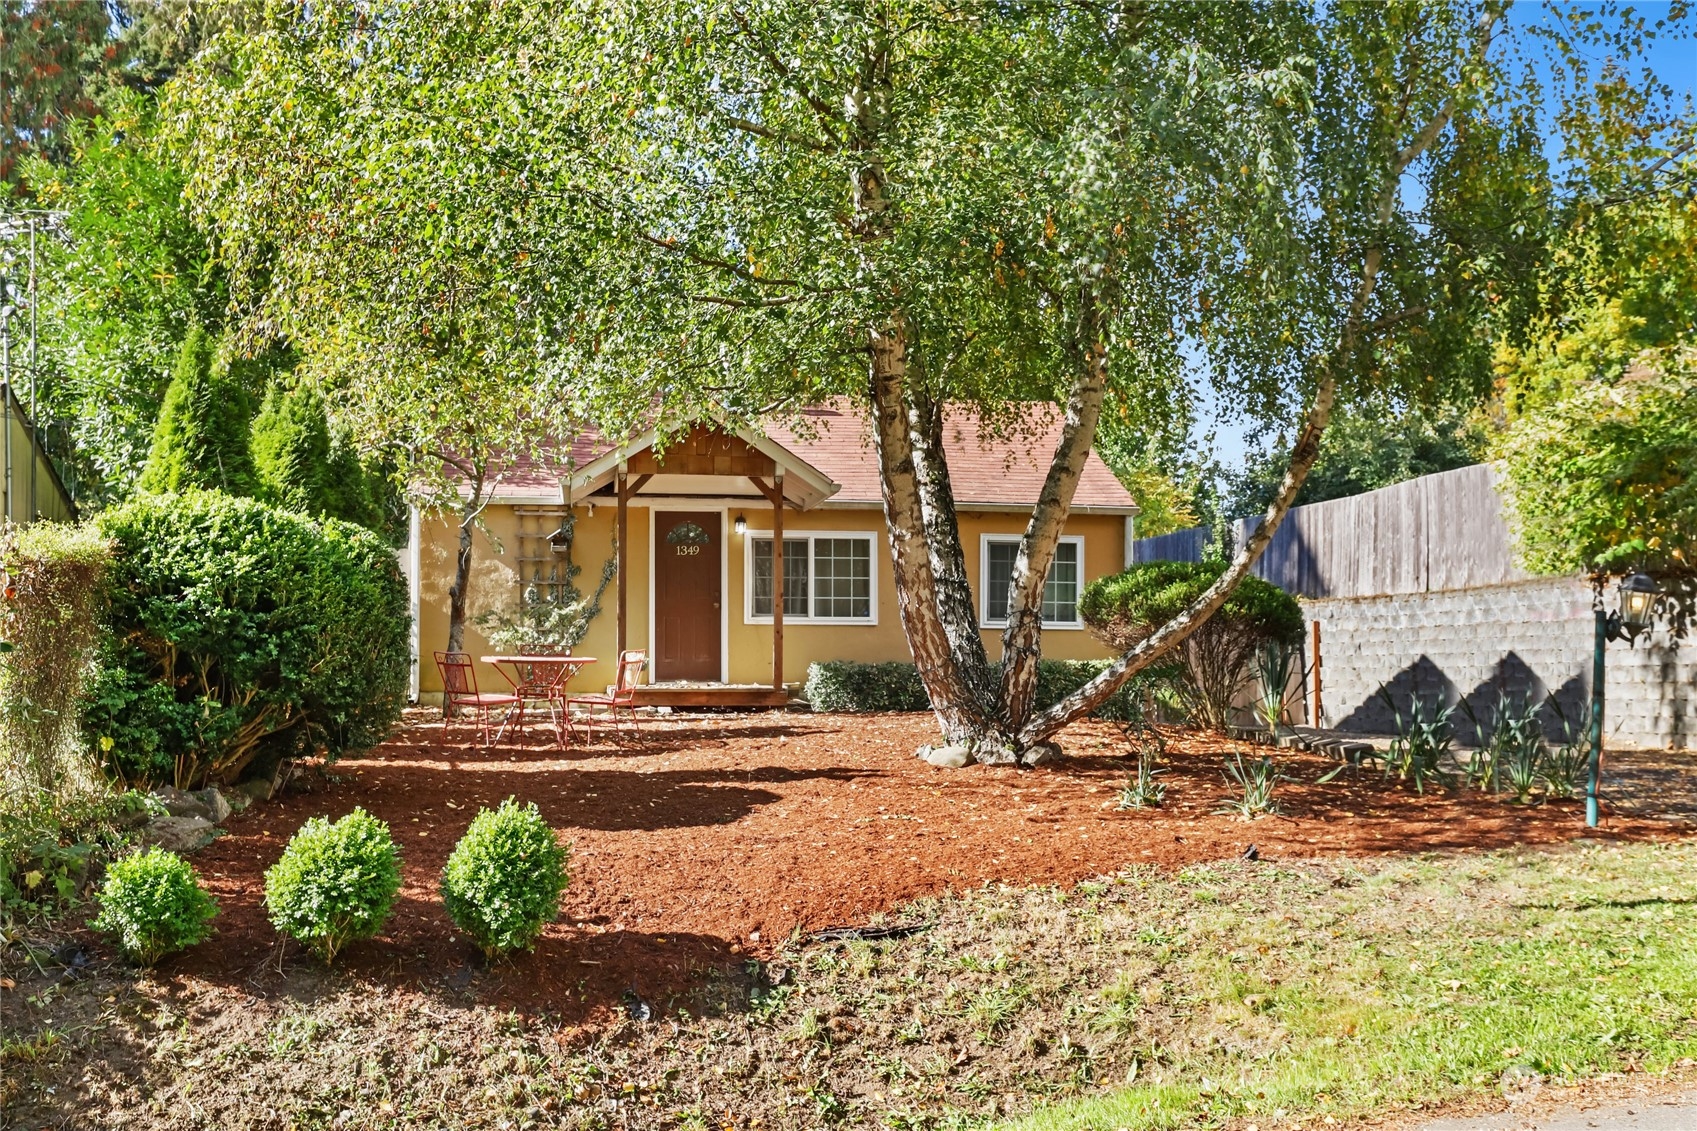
{"x":1243,"y":992}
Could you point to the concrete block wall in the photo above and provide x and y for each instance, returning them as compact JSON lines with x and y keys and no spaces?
{"x":1528,"y":639}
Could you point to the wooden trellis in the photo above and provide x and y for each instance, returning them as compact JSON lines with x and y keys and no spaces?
{"x":539,"y":564}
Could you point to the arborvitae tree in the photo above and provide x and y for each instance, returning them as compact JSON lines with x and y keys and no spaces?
{"x":364,"y":492}
{"x":291,"y":450}
{"x":304,"y":466}
{"x":201,"y":439}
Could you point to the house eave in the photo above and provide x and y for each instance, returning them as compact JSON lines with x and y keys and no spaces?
{"x":968,"y":506}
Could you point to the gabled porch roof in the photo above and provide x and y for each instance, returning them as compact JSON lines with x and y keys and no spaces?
{"x":706,"y":461}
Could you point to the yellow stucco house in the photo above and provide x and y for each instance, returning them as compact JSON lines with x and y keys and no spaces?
{"x":697,"y":580}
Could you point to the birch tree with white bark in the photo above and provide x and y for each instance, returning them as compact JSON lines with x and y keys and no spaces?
{"x":741,"y":208}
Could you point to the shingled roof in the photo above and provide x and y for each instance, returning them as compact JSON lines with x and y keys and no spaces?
{"x":984,"y":468}
{"x":995,"y":469}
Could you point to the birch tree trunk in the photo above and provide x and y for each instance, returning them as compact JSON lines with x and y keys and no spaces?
{"x":936,"y":603}
{"x":1022,"y":640}
{"x":458,"y":591}
{"x":932,"y":635}
{"x":917,"y":588}
{"x":1175,"y":632}
{"x":955,"y":604}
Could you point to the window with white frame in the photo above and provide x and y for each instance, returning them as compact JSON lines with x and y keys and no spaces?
{"x":828,"y":576}
{"x":1060,"y":591}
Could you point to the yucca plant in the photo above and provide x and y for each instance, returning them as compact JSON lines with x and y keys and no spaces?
{"x":1518,"y":771}
{"x":1565,"y":763}
{"x":1275,"y":662}
{"x":1256,"y":779}
{"x":1510,"y":750}
{"x":1424,"y":738}
{"x":1481,"y":771}
{"x":1143,"y":791}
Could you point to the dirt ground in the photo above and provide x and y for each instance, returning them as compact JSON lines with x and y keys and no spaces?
{"x":679,"y":989}
{"x":710,"y":838}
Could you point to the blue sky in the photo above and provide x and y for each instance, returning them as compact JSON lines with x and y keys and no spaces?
{"x":1674,"y":60}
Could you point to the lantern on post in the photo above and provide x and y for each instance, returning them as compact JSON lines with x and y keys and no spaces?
{"x":1638,"y":595}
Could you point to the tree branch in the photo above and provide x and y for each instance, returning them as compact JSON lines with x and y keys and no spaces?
{"x":759,"y":130}
{"x":714,"y":262}
{"x":1303,"y":455}
{"x":751,"y":303}
{"x":828,"y":114}
{"x":1401,"y":316}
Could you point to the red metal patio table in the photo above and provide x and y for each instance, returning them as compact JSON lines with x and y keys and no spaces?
{"x":540,"y":679}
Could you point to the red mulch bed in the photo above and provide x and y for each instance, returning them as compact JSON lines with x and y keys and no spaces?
{"x":710,"y":838}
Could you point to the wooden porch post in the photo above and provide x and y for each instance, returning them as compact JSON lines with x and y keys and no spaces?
{"x":624,"y":553}
{"x":778,"y":582}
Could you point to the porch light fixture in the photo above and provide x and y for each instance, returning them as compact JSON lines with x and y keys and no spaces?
{"x":740,"y":525}
{"x":1639,"y":594}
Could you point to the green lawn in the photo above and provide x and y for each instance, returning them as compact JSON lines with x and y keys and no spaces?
{"x":1286,"y":993}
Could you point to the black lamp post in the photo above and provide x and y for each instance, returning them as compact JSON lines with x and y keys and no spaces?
{"x":1638,"y":595}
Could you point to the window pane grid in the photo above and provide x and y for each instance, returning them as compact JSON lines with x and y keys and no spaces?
{"x":795,"y":577}
{"x":1002,"y":555}
{"x":842,"y":571}
{"x":1060,"y":589}
{"x":824,"y":578}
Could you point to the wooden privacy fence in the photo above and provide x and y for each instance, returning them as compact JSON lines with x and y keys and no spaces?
{"x":1439,"y":532}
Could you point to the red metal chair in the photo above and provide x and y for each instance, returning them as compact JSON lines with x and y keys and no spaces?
{"x":546,"y":683}
{"x":459,"y":690}
{"x":621,"y":704}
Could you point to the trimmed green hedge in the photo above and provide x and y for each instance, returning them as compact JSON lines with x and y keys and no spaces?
{"x":335,"y":883}
{"x":1056,"y":679}
{"x":242,"y":633}
{"x":848,"y":687}
{"x":502,"y":884}
{"x":152,"y":904}
{"x":1125,"y":608}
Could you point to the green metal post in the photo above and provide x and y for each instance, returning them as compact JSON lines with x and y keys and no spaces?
{"x":1596,"y":719}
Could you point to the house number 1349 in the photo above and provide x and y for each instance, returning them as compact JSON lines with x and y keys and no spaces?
{"x":688,"y":551}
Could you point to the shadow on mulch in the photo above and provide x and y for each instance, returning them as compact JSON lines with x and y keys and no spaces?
{"x":706,"y":840}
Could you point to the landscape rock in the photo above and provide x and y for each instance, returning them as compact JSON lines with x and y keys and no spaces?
{"x":180,"y":804}
{"x":254,"y":789}
{"x":947,"y":757}
{"x":179,"y":834}
{"x":1043,"y":753}
{"x":217,"y":809}
{"x":991,"y":755}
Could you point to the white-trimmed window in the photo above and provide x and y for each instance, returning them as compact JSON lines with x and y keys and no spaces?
{"x":1060,"y":593}
{"x":830,"y":577}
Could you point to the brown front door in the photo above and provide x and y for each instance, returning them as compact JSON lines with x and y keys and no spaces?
{"x":686,"y":595}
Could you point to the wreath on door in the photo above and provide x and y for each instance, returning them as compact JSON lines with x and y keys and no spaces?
{"x":687,"y":534}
